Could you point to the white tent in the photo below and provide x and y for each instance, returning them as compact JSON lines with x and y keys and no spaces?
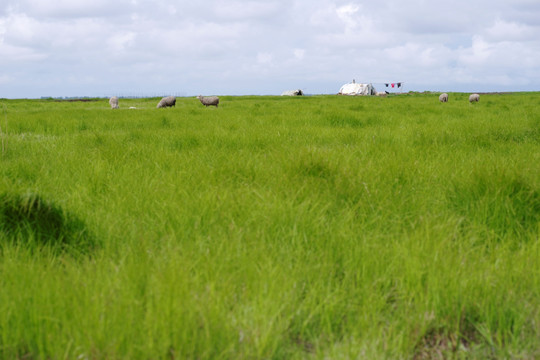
{"x":357,"y":89}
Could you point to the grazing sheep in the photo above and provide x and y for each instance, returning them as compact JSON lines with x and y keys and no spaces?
{"x":381,"y":93}
{"x":209,"y":100}
{"x":297,"y":92}
{"x":114,"y":102}
{"x":167,"y":101}
{"x":474,"y":97}
{"x":443,"y":97}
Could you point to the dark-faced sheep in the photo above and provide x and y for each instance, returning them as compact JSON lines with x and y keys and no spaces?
{"x":167,"y":101}
{"x":443,"y":97}
{"x":297,"y":92}
{"x":114,"y":102}
{"x":209,"y":100}
{"x":474,"y":97}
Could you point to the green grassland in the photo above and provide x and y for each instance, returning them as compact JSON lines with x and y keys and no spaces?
{"x":321,"y":227}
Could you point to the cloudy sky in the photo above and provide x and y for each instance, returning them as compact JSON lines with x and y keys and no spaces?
{"x":240,"y":47}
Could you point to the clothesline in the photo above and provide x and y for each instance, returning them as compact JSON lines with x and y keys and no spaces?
{"x":394,"y":84}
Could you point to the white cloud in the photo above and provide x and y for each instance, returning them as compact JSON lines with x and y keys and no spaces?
{"x":348,"y":14}
{"x":322,"y":43}
{"x":121,"y":41}
{"x":478,"y":53}
{"x":503,"y":30}
{"x":68,"y":8}
{"x":242,"y":10}
{"x":264,"y":58}
{"x":299,"y":53}
{"x":19,"y":28}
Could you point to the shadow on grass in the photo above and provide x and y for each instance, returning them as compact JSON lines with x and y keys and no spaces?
{"x":31,"y":221}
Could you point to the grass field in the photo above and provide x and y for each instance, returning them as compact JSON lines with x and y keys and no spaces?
{"x":319,"y":227}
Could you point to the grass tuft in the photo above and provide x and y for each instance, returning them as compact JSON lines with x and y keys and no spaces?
{"x":503,"y":204}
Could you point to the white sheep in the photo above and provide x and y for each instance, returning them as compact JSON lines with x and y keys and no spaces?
{"x":167,"y":101}
{"x":381,"y":93}
{"x":474,"y":97}
{"x":209,"y":100}
{"x":297,"y":92}
{"x":443,"y":97}
{"x":114,"y":102}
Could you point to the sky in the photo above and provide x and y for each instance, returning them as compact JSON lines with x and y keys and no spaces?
{"x":65,"y":48}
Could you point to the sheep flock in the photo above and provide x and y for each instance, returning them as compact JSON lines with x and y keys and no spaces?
{"x":170,"y":101}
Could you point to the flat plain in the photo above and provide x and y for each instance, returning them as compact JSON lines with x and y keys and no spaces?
{"x":316,"y":227}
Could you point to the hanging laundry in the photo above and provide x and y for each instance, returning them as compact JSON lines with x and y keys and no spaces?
{"x":386,"y":85}
{"x":398,"y":85}
{"x":393,"y":84}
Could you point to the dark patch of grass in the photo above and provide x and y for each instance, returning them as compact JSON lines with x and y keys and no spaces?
{"x":82,"y":126}
{"x":504,"y":204}
{"x":439,"y":342}
{"x":304,"y":345}
{"x":531,"y":135}
{"x":357,"y":107}
{"x":32,"y":221}
{"x":165,"y":122}
{"x":440,"y":345}
{"x":313,"y":164}
{"x":185,"y":143}
{"x":349,"y":120}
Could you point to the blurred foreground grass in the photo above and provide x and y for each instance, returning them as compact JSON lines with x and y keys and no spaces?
{"x":271,"y":227}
